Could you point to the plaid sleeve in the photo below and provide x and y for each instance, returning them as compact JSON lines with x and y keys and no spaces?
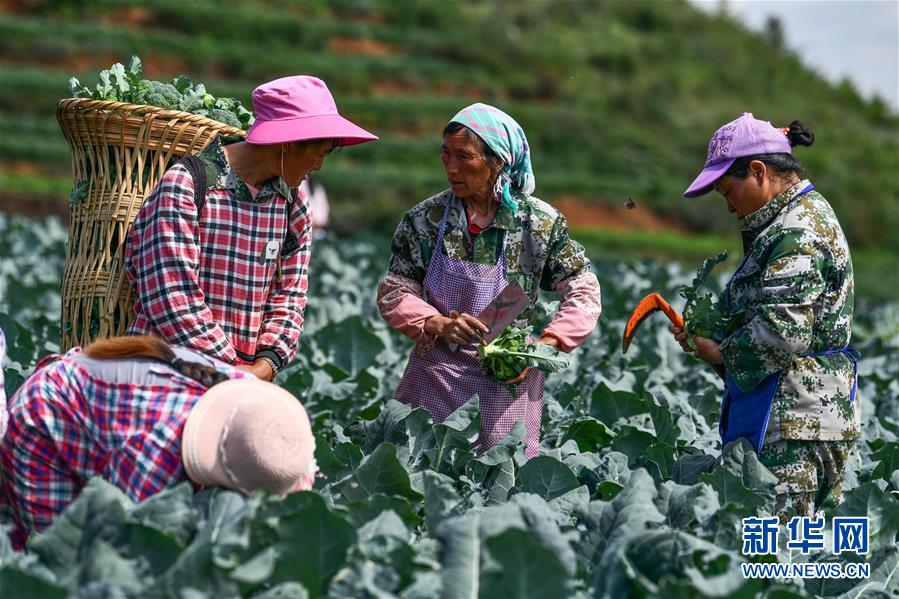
{"x":162,"y":260}
{"x":37,"y":483}
{"x":282,"y":321}
{"x":2,"y":386}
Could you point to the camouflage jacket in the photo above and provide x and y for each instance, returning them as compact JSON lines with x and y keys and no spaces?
{"x":794,"y":294}
{"x":539,"y":252}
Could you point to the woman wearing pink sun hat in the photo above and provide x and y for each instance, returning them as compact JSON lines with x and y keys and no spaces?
{"x":219,"y":252}
{"x":145,"y":416}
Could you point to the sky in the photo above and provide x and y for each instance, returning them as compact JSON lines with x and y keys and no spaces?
{"x":858,"y":39}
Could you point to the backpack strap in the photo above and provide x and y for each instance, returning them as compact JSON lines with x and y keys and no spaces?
{"x":198,"y":173}
{"x":290,"y":244}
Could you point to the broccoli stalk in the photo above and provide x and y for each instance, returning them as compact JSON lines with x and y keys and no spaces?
{"x":510,"y":353}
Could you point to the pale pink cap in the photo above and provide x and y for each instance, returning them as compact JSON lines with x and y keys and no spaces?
{"x":247,"y":434}
{"x":300,"y":108}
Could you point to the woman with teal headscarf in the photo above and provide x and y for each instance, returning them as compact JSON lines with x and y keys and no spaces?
{"x":452,"y":254}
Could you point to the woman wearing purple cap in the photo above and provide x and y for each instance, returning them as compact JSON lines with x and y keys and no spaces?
{"x":218,"y":254}
{"x":790,"y":384}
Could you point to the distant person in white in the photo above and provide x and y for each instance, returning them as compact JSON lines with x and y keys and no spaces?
{"x":318,"y":203}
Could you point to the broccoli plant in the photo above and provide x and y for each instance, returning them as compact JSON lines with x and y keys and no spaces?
{"x":510,"y":353}
{"x":122,"y":84}
{"x":704,"y":314}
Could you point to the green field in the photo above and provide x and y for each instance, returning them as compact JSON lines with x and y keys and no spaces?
{"x":632,"y":495}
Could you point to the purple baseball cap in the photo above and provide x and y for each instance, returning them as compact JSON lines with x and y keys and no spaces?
{"x":745,"y":136}
{"x":300,"y":108}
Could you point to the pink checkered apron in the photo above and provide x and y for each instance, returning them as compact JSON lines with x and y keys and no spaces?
{"x":441,"y":381}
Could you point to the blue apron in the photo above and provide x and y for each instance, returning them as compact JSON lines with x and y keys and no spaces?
{"x":746,"y":413}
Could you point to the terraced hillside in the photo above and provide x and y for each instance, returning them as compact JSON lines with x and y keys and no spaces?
{"x":618,"y":98}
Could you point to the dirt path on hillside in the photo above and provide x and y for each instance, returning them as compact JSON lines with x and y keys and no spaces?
{"x":594,"y":215}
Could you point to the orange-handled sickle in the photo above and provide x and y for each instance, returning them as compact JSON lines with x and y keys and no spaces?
{"x":647,"y":306}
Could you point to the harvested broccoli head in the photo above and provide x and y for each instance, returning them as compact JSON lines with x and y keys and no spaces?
{"x":510,"y":353}
{"x":225,"y":116}
{"x":127,"y":85}
{"x":163,"y":95}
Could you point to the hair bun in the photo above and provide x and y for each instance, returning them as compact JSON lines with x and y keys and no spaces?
{"x":798,"y":135}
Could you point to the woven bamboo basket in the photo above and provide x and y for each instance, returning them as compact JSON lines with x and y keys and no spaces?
{"x":119,"y":153}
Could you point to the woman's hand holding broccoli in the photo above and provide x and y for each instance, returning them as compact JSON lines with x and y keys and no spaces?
{"x":551,"y":341}
{"x":460,"y":329}
{"x":705,"y":348}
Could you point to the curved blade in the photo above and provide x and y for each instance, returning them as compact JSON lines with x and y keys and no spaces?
{"x":504,"y":309}
{"x":647,"y":306}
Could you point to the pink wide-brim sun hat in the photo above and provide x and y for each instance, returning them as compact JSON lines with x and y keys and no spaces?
{"x":248,"y":434}
{"x":300,"y":108}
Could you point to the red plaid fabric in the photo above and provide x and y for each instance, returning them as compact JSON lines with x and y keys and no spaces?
{"x":66,"y":425}
{"x":205,"y":283}
{"x":2,"y":386}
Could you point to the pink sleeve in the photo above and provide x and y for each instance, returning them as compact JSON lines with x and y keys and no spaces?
{"x":402,"y":305}
{"x":579,"y":309}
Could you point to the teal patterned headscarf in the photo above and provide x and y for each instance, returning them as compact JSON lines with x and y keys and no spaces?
{"x":506,"y":138}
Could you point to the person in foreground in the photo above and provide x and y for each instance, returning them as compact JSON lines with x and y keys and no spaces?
{"x":791,"y":379}
{"x":454,"y":252}
{"x":146,"y":416}
{"x":225,"y":271}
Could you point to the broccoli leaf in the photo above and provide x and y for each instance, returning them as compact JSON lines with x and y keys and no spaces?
{"x":79,"y":192}
{"x":135,"y":71}
{"x":128,"y":85}
{"x":79,"y":91}
{"x":105,"y":90}
{"x":510,"y":353}
{"x":704,"y":314}
{"x":119,"y":80}
{"x":182,"y":83}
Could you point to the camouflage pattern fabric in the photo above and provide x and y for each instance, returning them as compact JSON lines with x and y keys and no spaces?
{"x":809,"y":475}
{"x":795,"y":296}
{"x":539,"y":252}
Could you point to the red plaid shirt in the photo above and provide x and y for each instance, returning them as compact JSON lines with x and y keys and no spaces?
{"x":68,"y":424}
{"x":204,"y":282}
